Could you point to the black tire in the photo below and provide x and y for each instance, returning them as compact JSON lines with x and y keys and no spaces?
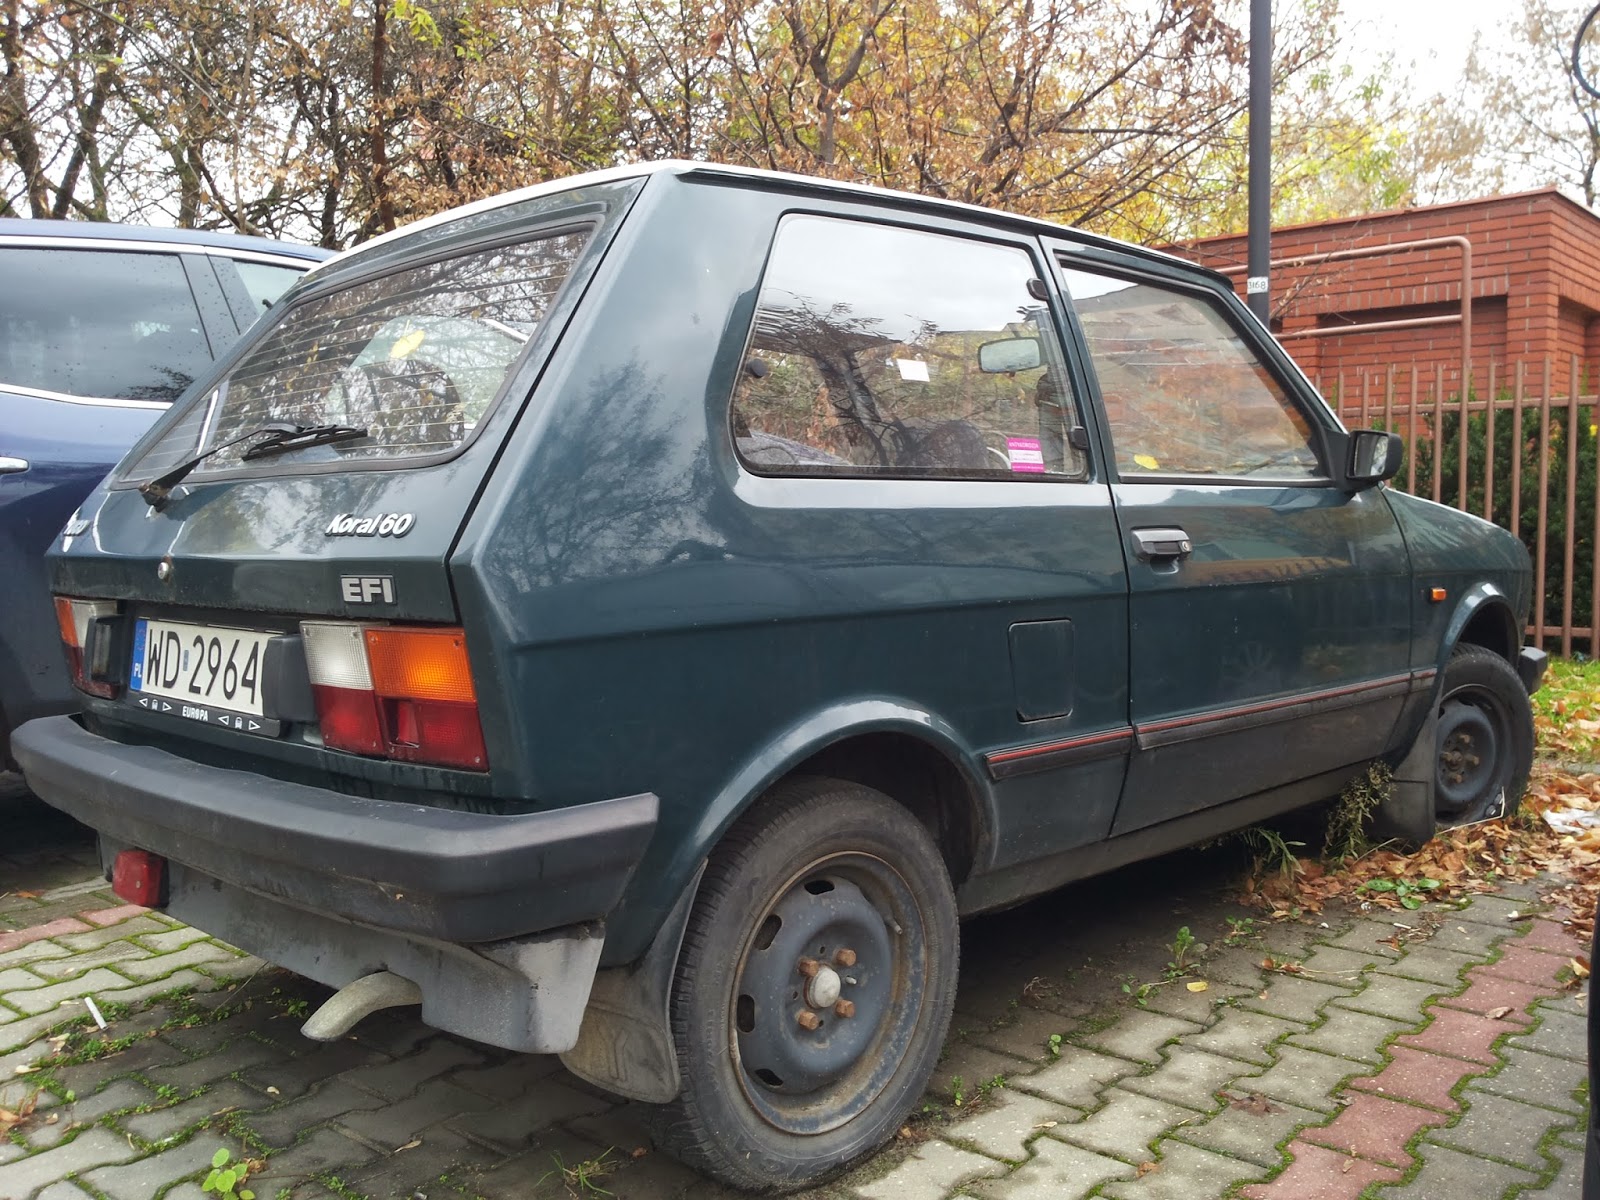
{"x":1484,"y":744}
{"x":766,"y":1103}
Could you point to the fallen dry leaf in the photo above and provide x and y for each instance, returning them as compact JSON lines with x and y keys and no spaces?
{"x":1197,"y":985}
{"x":639,"y":1152}
{"x":1344,"y":1167}
{"x":1145,"y":1168}
{"x":1254,"y":1103}
{"x":1498,"y":1014}
{"x":411,"y":1145}
{"x":1580,"y":967}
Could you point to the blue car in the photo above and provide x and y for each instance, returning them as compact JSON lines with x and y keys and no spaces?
{"x":101,"y":328}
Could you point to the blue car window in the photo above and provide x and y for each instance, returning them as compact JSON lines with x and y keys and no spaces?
{"x":265,"y":282}
{"x":99,"y":323}
{"x":888,"y":352}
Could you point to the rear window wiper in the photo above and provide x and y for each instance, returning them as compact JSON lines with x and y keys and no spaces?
{"x":275,"y":437}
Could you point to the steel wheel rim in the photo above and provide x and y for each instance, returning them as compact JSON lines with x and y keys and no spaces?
{"x":809,"y":1080}
{"x":1473,"y":747}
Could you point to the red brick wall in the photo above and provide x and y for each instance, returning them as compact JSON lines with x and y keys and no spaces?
{"x":1535,"y":286}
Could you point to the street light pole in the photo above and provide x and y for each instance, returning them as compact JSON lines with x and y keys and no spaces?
{"x":1260,"y":163}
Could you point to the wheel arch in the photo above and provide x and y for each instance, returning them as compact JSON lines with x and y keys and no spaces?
{"x":1484,"y":617}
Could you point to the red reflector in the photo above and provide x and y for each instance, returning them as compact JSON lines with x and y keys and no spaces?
{"x":435,"y":731}
{"x":349,"y":719}
{"x":139,"y":876}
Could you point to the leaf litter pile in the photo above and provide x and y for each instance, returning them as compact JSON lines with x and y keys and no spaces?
{"x":1557,"y":833}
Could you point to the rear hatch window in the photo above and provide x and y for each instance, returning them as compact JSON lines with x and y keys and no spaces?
{"x":417,"y":358}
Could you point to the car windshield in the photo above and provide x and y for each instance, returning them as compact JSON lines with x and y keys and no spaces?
{"x":99,"y":323}
{"x":415,"y":357}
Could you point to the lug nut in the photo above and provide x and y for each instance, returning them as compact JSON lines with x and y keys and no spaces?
{"x":809,"y":967}
{"x":807,"y":1019}
{"x":845,"y":1008}
{"x":845,"y":958}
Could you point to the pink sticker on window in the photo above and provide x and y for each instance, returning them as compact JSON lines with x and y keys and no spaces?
{"x":1025,"y":454}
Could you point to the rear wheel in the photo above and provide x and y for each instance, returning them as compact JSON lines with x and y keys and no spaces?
{"x":814,"y":988}
{"x":1484,"y":741}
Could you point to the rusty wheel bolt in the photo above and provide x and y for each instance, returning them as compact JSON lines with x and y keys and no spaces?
{"x":845,"y":958}
{"x":845,"y":1008}
{"x":809,"y":967}
{"x":807,"y":1019}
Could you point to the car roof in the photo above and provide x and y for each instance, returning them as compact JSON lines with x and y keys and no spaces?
{"x":783,"y":179}
{"x":13,"y":229}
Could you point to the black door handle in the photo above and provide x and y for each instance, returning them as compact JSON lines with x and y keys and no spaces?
{"x":1161,"y":545}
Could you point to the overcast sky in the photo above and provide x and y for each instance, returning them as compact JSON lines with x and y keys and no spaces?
{"x":1429,"y":40}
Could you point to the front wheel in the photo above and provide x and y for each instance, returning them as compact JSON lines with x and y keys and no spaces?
{"x":1485,"y":739}
{"x":814,"y":987}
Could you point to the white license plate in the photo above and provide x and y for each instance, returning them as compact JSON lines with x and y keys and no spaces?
{"x":199,"y":666}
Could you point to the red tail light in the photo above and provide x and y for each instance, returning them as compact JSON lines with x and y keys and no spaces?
{"x":75,"y":618}
{"x":395,"y":691}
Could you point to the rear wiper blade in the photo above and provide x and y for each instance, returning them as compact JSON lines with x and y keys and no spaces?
{"x":301,"y":437}
{"x":277,"y":437}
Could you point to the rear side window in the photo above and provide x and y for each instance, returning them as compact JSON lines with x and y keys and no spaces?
{"x":888,"y":352}
{"x":101,"y":323}
{"x":265,"y":282}
{"x":415,"y":357}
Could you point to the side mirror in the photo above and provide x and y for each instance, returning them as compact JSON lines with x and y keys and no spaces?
{"x":1009,"y":355}
{"x":1371,"y":457}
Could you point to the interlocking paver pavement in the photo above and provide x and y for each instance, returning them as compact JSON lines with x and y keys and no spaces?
{"x":1382,"y":1062}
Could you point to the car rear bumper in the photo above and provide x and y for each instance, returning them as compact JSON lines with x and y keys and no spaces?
{"x":411,"y":869}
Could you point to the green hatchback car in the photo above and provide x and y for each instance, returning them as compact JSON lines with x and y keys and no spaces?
{"x":636,"y":617}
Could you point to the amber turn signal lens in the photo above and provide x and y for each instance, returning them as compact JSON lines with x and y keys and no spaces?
{"x":1437,"y":595}
{"x":420,"y":664}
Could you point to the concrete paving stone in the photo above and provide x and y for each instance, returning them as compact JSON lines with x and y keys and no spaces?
{"x":234,"y":967}
{"x":1366,"y":936}
{"x":1126,"y":1126}
{"x":1568,"y":1181}
{"x":1376,"y":1128}
{"x":50,"y":997}
{"x":71,"y":891}
{"x":1530,"y":966}
{"x":1304,"y":1077}
{"x":512,"y":1125}
{"x":121,"y":1095}
{"x":972,"y":1064}
{"x":1393,"y":997}
{"x":1497,"y":1127}
{"x":1468,"y":937}
{"x":20,"y":979}
{"x":281,"y":1125}
{"x":1192,"y":1078}
{"x":396,"y":1123}
{"x":1500,"y":912}
{"x":441,"y":1156}
{"x":316,"y":1063}
{"x":1576,"y":1002}
{"x":934,"y":1169}
{"x":140,"y":992}
{"x":238,"y":1055}
{"x":1316,"y":1173}
{"x":1078,"y":1077}
{"x":1459,"y":1035}
{"x":1559,"y":1034}
{"x":1237,"y":965}
{"x":1025,"y":1033}
{"x":396,"y":1031}
{"x":1247,"y":1133}
{"x":144,"y":1180}
{"x":163,"y":1123}
{"x":1335,"y":964}
{"x":23,"y":1034}
{"x":1245,"y":1035}
{"x":91,"y":938}
{"x":1433,"y":965}
{"x":320,"y":1150}
{"x":1530,"y":1076}
{"x":159,"y":966}
{"x":505,"y":1080}
{"x":1184,"y":1172}
{"x":1140,"y":1035}
{"x":1294,"y":998}
{"x":1056,"y":1171}
{"x":1418,"y":1078}
{"x":1176,"y":1000}
{"x":33,"y":952}
{"x":172,"y":939}
{"x":56,"y":969}
{"x":114,"y":915}
{"x":90,"y":1149}
{"x":39,"y":929}
{"x":141,"y":1057}
{"x":1450,"y":1173}
{"x":1553,"y":938}
{"x":64,"y":1190}
{"x":1009,"y":1122}
{"x":1491,"y":993}
{"x":534,"y":1173}
{"x":403,"y":1076}
{"x":1350,"y":1034}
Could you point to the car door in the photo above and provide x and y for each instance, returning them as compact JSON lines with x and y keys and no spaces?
{"x":1268,"y":607}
